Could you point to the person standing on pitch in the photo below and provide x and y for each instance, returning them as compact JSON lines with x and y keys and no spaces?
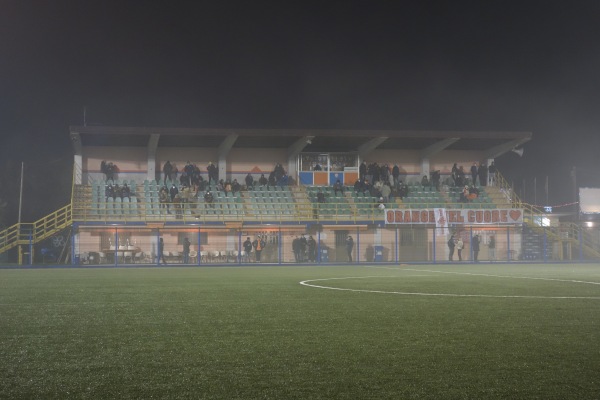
{"x":451,"y":245}
{"x":475,"y":246}
{"x":349,"y":247}
{"x":161,"y":251}
{"x":459,"y":247}
{"x":492,"y":248}
{"x":258,"y":245}
{"x":247,"y":249}
{"x":186,"y":250}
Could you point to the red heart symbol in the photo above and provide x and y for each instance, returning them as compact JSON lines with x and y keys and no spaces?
{"x":515,"y":214}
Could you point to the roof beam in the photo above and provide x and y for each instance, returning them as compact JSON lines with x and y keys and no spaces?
{"x":497,"y":151}
{"x":226,"y":145}
{"x":370,"y":145}
{"x":437,"y":147}
{"x":299,"y":145}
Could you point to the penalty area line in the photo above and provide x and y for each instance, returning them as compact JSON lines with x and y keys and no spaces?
{"x":309,"y":284}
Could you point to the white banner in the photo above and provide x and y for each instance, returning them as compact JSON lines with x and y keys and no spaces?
{"x":442,"y":217}
{"x":441,"y":222}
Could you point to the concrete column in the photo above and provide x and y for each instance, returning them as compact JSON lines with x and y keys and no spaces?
{"x":424,"y":168}
{"x":152,"y":146}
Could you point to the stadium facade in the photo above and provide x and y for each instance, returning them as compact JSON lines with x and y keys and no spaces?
{"x":113,"y":230}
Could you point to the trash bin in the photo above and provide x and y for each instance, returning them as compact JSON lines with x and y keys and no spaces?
{"x":324,"y":255}
{"x":378,"y":257}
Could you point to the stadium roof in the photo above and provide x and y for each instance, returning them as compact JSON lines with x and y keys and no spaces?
{"x":315,"y":140}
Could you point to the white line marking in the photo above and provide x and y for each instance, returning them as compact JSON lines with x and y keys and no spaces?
{"x":306,"y":283}
{"x":488,"y":275}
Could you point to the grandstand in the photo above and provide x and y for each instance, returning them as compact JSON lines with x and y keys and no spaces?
{"x":118,"y":230}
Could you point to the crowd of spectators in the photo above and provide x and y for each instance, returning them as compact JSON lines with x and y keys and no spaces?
{"x":114,"y":191}
{"x":380,"y":181}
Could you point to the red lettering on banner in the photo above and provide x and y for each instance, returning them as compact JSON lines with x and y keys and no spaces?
{"x":495,"y":216}
{"x":503,"y":216}
{"x":406,"y":217}
{"x":471,"y":216}
{"x":415,"y":216}
{"x":479,"y":216}
{"x":487,"y":216}
{"x":398,"y":216}
{"x":424,"y":216}
{"x":432,"y":217}
{"x":389,"y":217}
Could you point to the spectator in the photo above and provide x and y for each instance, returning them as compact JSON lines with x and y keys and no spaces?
{"x":209,"y":199}
{"x":125,"y":192}
{"x":173,"y":192}
{"x":385,"y":192}
{"x":317,"y":167}
{"x":381,"y":204}
{"x":474,"y":173}
{"x":349,"y":247}
{"x":459,"y":247}
{"x":312,"y":249}
{"x":186,"y":250}
{"x":475,"y":246}
{"x":262,"y":181}
{"x":425,"y":181}
{"x":249,"y":182}
{"x":248,"y":248}
{"x":492,"y":248}
{"x":109,"y":191}
{"x":258,"y":245}
{"x":109,"y":170}
{"x":283,"y":180}
{"x":303,"y":245}
{"x":161,"y":252}
{"x":451,"y":245}
{"x":338,"y":187}
{"x":272,"y":180}
{"x":396,"y":174}
{"x":235,"y":186}
{"x":362,"y":171}
{"x":213,"y":173}
{"x":455,"y":175}
{"x":227,"y":188}
{"x":320,"y":197}
{"x":184,"y":179}
{"x":189,"y":172}
{"x":464,"y":195}
{"x":402,"y":190}
{"x":492,"y":172}
{"x":296,"y":248}
{"x":167,"y":171}
{"x":163,"y":197}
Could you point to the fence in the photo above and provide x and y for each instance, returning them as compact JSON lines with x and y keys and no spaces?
{"x":320,"y":244}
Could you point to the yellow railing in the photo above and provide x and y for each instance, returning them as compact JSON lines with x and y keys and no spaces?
{"x":41,"y":229}
{"x":190,"y":213}
{"x":503,"y":184}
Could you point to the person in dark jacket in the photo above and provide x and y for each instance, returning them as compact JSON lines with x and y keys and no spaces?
{"x":475,"y":246}
{"x":451,"y":246}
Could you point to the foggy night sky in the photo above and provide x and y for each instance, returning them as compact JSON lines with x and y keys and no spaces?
{"x":429,"y":65}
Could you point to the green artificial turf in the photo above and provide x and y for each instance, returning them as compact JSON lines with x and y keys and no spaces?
{"x":257,"y":333}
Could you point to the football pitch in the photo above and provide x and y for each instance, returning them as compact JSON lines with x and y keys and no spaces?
{"x":302,"y":332}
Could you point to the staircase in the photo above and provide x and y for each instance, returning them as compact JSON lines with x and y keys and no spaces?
{"x":24,"y":233}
